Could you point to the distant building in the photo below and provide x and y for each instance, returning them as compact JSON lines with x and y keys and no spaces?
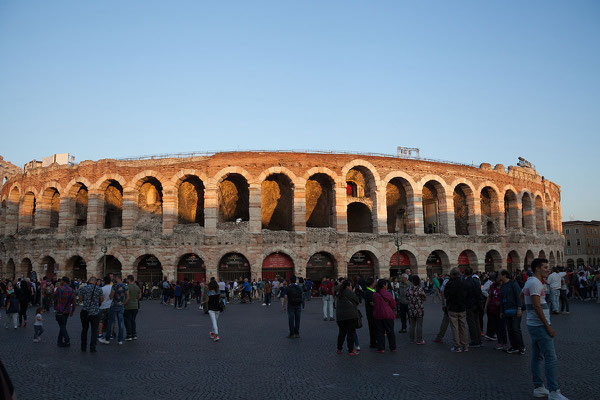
{"x":582,"y":243}
{"x":60,"y":159}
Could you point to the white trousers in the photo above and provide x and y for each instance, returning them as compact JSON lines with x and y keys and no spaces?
{"x":214,"y":317}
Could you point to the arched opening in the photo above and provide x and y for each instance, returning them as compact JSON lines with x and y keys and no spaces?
{"x":191,"y":267}
{"x":513,"y":261}
{"x":540,"y":221}
{"x":399,"y":210}
{"x":190,"y":201}
{"x":359,"y":218}
{"x":467,"y":258}
{"x":113,"y":205}
{"x":351,"y":189}
{"x":11,"y":269}
{"x":570,"y":263}
{"x":549,"y":213}
{"x":113,"y":265}
{"x":277,"y":265}
{"x":49,"y":211}
{"x":319,"y":266}
{"x":580,"y":262}
{"x":362,"y":264}
{"x":401,"y":261}
{"x":489,"y":203}
{"x":528,"y":259}
{"x":49,"y":267}
{"x":320,"y":201}
{"x":433,"y":200}
{"x":81,"y":205}
{"x":461,"y":208}
{"x":437,"y":263}
{"x":77,"y":267}
{"x":542,"y":254}
{"x":511,"y":211}
{"x":528,"y":217}
{"x":149,"y":269}
{"x":26,"y":268}
{"x":234,"y":199}
{"x":150,"y":201}
{"x":234,"y":266}
{"x":552,"y":259}
{"x":28,"y":210}
{"x":493,"y":261}
{"x":12,"y":211}
{"x":277,"y":203}
{"x":361,"y":188}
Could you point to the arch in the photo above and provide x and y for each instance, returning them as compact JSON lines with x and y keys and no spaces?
{"x":463,"y":200}
{"x":359,"y":218}
{"x":362,"y":164}
{"x":552,"y":259}
{"x":113,"y":204}
{"x":12,"y":210}
{"x":50,"y":207}
{"x":106,"y":180}
{"x":363,"y":264}
{"x":233,"y":266}
{"x":433,"y":196}
{"x":540,"y":219}
{"x":80,"y":210}
{"x":278,"y":170}
{"x":529,"y":257}
{"x":49,"y":267}
{"x":437,"y":263}
{"x":190,"y":200}
{"x":139,"y":179}
{"x":233,"y":198}
{"x":400,"y":261}
{"x":277,"y":202}
{"x":76,"y":268}
{"x":321,"y":170}
{"x":28,"y":209}
{"x":191,"y":267}
{"x":74,"y":184}
{"x":149,"y":200}
{"x":320,"y":201}
{"x":570,"y":263}
{"x":114,"y":264}
{"x":399,"y":197}
{"x":493,"y":261}
{"x":580,"y":262}
{"x":149,"y":269}
{"x":277,"y":265}
{"x":513,"y":261}
{"x":542,"y":254}
{"x":223,"y":173}
{"x":528,"y":211}
{"x":25,"y":268}
{"x":511,"y":210}
{"x":11,"y":269}
{"x":467,"y":258}
{"x":489,"y":205}
{"x":321,"y":265}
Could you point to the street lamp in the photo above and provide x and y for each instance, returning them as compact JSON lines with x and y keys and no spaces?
{"x":104,"y":250}
{"x":398,"y":242}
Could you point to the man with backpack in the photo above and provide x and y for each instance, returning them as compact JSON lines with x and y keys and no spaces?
{"x":293,"y":301}
{"x":326,"y":290}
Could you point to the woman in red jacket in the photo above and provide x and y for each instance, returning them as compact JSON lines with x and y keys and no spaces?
{"x":383,"y":314}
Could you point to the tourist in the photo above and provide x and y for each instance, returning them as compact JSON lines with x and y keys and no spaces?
{"x":307,"y":289}
{"x":455,"y":296}
{"x":445,"y":319}
{"x":416,"y":296}
{"x":496,"y":329}
{"x":511,"y":312}
{"x":554,"y":282}
{"x":165,"y":291}
{"x":293,"y":301}
{"x":105,"y":306}
{"x":48,"y":290}
{"x":437,"y":283}
{"x":268,"y":289}
{"x":541,"y":332}
{"x":302,"y":286}
{"x":370,"y":290}
{"x":38,"y":324}
{"x":384,"y":307}
{"x":119,"y":295}
{"x":214,"y":304}
{"x":64,"y":306}
{"x":12,"y":311}
{"x":246,"y":291}
{"x":596,"y":282}
{"x":90,"y":296}
{"x":130,"y":309}
{"x":326,"y":290}
{"x":403,"y":286}
{"x":178,"y":293}
{"x":346,"y":316}
{"x":281,"y":293}
{"x":223,"y":290}
{"x":474,"y":296}
{"x":24,"y":294}
{"x":582,"y":285}
{"x":564,"y":299}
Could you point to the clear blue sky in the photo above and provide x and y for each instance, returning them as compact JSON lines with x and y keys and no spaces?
{"x":478,"y":81}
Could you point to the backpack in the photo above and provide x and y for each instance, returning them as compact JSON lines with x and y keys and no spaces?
{"x":294,"y":294}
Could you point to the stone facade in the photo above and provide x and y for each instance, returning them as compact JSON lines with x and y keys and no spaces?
{"x":335,"y":204}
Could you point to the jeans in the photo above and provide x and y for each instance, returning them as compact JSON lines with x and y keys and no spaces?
{"x":46,"y":302}
{"x":328,"y":306}
{"x":23,"y":312}
{"x":87,"y":321}
{"x":542,"y":350}
{"x":402,"y":312}
{"x":555,"y":296}
{"x":214,"y":317}
{"x":294,"y":319}
{"x":416,"y":322}
{"x":177,"y":302}
{"x":118,"y":313}
{"x":385,"y":327}
{"x":63,"y":335}
{"x":473,"y":324}
{"x":443,"y":327}
{"x":458,"y":321}
{"x":347,"y":332}
{"x":37,"y":331}
{"x":513,"y":326}
{"x":129,"y":317}
{"x":436,"y":295}
{"x":564,"y":301}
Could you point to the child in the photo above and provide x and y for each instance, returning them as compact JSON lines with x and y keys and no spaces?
{"x":12,"y":310}
{"x":38,"y":325}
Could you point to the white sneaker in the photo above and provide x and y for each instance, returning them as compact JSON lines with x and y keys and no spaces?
{"x":556,"y":395}
{"x":103,"y":341}
{"x":540,"y":392}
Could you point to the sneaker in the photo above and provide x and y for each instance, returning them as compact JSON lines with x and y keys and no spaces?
{"x":353,"y":353}
{"x":134,"y":337}
{"x":128,"y":339}
{"x":465,"y":349}
{"x":120,"y":342}
{"x":499,"y":347}
{"x":216,"y":339}
{"x":296,"y":336}
{"x":212,"y":335}
{"x":325,"y":319}
{"x":100,"y":335}
{"x":438,"y":341}
{"x":381,"y":351}
{"x":541,"y":392}
{"x":357,"y":348}
{"x":264,"y":304}
{"x":556,"y":395}
{"x":456,"y":349}
{"x":332,"y":319}
{"x":521,"y":351}
{"x":567,"y":312}
{"x":36,"y":340}
{"x":489,"y":338}
{"x":421,"y":342}
{"x":512,"y":350}
{"x":103,"y":341}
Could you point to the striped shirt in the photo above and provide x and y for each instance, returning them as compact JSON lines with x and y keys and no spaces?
{"x":534,"y":287}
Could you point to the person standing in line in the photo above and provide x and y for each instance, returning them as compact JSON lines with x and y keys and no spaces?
{"x":541,"y":332}
{"x":38,"y":324}
{"x":293,"y":301}
{"x":12,"y":311}
{"x":268,"y":289}
{"x":214,"y":304}
{"x":511,"y":312}
{"x":554,"y":282}
{"x":563,"y":299}
{"x":165,"y":291}
{"x":403,"y":287}
{"x":436,"y":290}
{"x":48,"y":290}
{"x":105,"y":306}
{"x":131,"y":308}
{"x":445,"y":319}
{"x":474,"y":296}
{"x":90,"y":296}
{"x":416,"y":296}
{"x":64,"y":306}
{"x":346,"y":315}
{"x":119,"y":296}
{"x":369,"y":291}
{"x":383,"y":313}
{"x":493,"y":308}
{"x":455,"y":296}
{"x":24,"y":294}
{"x":326,"y":290}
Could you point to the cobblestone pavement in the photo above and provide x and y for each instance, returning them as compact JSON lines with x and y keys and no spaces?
{"x":174,"y":358}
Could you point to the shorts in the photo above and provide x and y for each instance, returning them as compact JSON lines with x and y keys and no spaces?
{"x":103,"y":315}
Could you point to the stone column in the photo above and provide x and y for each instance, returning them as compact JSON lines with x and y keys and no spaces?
{"x":95,"y":212}
{"x":42,"y":214}
{"x":342,"y":268}
{"x":475,"y":222}
{"x":341,"y":208}
{"x":130,"y":209}
{"x":299,"y":209}
{"x":169,"y":211}
{"x":380,"y":217}
{"x":12,"y":217}
{"x":417,"y":210}
{"x":211,"y":211}
{"x":66,"y":214}
{"x":446,"y":215}
{"x":255,"y":211}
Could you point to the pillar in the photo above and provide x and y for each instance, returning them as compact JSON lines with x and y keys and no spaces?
{"x":169,"y":210}
{"x":211,"y":211}
{"x":299,"y":217}
{"x":475,"y":218}
{"x":380,"y":212}
{"x":95,"y":212}
{"x":66,"y":214}
{"x":417,"y":209}
{"x":255,"y":217}
{"x":129,"y":210}
{"x":446,"y":215}
{"x":341,"y":209}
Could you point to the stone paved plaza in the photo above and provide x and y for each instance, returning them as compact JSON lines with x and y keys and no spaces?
{"x":174,"y":358}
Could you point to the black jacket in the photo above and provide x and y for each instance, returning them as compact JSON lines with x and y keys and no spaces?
{"x":455,"y":293}
{"x":473,"y":292}
{"x":511,"y":295}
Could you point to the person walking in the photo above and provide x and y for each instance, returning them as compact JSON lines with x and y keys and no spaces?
{"x":119,"y":295}
{"x":214,"y":304}
{"x":268,"y":291}
{"x":105,"y":306}
{"x":436,"y":289}
{"x":293,"y":301}
{"x":554,"y":282}
{"x":383,"y":313}
{"x":564,"y":299}
{"x":326,"y":290}
{"x":455,"y":296}
{"x":346,"y":314}
{"x":64,"y":306}
{"x":541,"y":332}
{"x":24,"y":294}
{"x":416,"y":296}
{"x":403,"y":287}
{"x":511,"y":312}
{"x":473,"y":299}
{"x":369,"y":291}
{"x":90,"y":296}
{"x":130,"y":308}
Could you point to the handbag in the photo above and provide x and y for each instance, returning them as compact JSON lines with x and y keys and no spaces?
{"x":359,"y":321}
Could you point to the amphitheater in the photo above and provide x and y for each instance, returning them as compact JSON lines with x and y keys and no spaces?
{"x":274,"y":213}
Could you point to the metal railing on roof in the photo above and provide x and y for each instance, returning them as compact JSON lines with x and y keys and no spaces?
{"x":212,"y":153}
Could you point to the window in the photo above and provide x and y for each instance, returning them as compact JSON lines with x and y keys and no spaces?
{"x":578,"y":251}
{"x":578,"y":242}
{"x":569,"y":251}
{"x":576,"y":230}
{"x":568,"y":243}
{"x":567,"y":231}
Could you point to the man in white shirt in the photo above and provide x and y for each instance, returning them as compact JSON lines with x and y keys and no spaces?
{"x":553,"y":282}
{"x":106,"y":303}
